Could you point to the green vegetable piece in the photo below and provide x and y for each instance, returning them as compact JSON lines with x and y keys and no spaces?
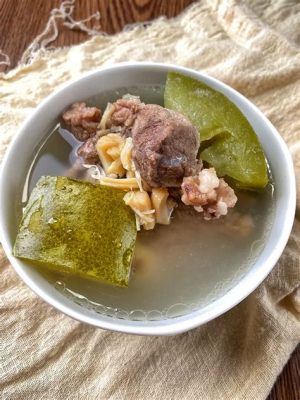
{"x":76,"y":227}
{"x":228,"y":142}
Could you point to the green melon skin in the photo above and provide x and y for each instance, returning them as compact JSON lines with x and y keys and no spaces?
{"x":228,"y":141}
{"x":75,"y":227}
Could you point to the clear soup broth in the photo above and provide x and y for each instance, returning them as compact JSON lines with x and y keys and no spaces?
{"x":176,"y":268}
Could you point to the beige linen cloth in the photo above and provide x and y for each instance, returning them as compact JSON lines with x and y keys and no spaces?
{"x":254,"y":47}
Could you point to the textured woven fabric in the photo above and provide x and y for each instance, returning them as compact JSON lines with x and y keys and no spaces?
{"x":254,"y":47}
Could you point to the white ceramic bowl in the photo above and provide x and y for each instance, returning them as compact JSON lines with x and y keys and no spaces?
{"x":41,"y":122}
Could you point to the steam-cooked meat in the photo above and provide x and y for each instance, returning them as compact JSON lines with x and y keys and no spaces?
{"x":165,"y":146}
{"x":165,"y":143}
{"x":125,"y":111}
{"x":208,"y":194}
{"x":88,"y":151}
{"x":82,"y":121}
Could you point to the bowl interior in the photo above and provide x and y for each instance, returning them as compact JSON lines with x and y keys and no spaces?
{"x":36,"y":130}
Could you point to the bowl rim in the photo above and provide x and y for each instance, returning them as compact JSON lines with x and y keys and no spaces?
{"x":178,"y":324}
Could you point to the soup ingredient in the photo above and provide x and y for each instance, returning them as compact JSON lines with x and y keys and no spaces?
{"x":228,"y":142}
{"x":82,"y":120}
{"x":165,"y":143}
{"x":140,"y":203}
{"x":87,"y":151}
{"x":76,"y":227}
{"x":208,"y":194}
{"x":125,"y":111}
{"x":165,"y":146}
{"x":163,"y":205}
{"x":122,"y":184}
{"x":105,"y":122}
{"x":126,"y":158}
{"x":109,"y":149}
